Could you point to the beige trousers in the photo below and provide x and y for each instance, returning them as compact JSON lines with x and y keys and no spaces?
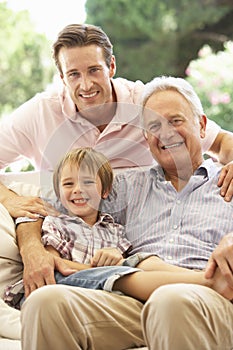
{"x":176,"y":317}
{"x":70,"y":318}
{"x":188,"y":317}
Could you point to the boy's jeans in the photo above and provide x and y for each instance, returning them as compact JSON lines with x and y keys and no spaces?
{"x":95,"y":278}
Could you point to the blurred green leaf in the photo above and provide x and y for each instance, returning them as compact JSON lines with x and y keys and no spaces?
{"x":26,"y":66}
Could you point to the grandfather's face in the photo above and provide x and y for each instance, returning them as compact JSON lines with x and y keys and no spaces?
{"x":172,"y":131}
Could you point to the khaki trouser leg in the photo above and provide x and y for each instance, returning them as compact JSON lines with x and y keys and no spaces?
{"x":187,"y":317}
{"x":63,"y":317}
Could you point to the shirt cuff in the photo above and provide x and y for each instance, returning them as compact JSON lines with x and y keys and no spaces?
{"x":23,"y":219}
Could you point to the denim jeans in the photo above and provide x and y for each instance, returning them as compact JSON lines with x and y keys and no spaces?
{"x":95,"y":278}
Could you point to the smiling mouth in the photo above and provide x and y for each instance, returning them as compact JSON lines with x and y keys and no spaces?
{"x":93,"y":94}
{"x":173,"y":145}
{"x":79,"y":201}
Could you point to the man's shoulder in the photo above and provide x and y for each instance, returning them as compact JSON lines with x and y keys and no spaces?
{"x":44,"y":99}
{"x":128,"y":83}
{"x":124,"y":87}
{"x":52,"y":93}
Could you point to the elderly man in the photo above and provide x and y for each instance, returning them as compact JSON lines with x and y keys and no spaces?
{"x":174,"y":211}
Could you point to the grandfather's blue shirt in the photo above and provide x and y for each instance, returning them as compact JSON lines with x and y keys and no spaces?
{"x":183,"y":228}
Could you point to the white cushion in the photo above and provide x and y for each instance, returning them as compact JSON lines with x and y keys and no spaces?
{"x":10,"y":261}
{"x":6,"y":344}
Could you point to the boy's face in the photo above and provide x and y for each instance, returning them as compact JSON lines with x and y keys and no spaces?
{"x":80,"y":192}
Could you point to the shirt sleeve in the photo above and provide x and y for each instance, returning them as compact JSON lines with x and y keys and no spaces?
{"x":17,"y":133}
{"x":54,"y":237}
{"x":124,"y":245}
{"x":212,"y":130}
{"x":25,"y":219}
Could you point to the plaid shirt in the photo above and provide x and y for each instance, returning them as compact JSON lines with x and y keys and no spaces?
{"x":76,"y":241}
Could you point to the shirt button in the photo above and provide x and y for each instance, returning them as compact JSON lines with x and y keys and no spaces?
{"x":171,"y":240}
{"x":169,"y":257}
{"x":175,"y":227}
{"x":178,"y":201}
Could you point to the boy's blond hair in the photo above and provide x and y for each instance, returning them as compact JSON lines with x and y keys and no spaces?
{"x":95,"y":161}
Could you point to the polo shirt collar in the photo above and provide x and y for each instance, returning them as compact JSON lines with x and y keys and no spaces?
{"x":126,"y":111}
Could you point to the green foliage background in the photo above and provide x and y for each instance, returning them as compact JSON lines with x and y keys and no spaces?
{"x":25,"y":64}
{"x":212,"y":77}
{"x":154,"y":37}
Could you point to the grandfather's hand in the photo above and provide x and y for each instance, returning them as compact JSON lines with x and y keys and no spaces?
{"x":222,"y":257}
{"x":220,"y":285}
{"x":28,"y":206}
{"x":39,"y":266}
{"x":225,"y":181}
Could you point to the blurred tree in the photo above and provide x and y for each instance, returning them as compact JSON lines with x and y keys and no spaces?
{"x":25,"y":67}
{"x":157,"y":37}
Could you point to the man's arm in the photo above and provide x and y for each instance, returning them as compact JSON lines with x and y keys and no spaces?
{"x":222,"y":148}
{"x":21,"y":206}
{"x":39,"y":264}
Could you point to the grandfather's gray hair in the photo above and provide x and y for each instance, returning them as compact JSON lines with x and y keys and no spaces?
{"x":180,"y":85}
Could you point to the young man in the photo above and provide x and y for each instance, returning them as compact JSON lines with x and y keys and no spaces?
{"x":90,"y":109}
{"x":174,"y":211}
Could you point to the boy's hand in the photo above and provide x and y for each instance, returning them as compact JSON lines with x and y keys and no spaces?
{"x":106,"y":257}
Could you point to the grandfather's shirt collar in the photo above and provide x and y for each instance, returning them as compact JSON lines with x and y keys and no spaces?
{"x":206,"y":170}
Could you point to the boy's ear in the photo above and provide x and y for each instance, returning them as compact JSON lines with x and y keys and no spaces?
{"x":105,"y":194}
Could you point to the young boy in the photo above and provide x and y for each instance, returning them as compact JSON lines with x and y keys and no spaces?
{"x":84,"y":236}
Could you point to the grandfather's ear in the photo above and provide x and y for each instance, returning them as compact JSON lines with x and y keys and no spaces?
{"x":202,"y":123}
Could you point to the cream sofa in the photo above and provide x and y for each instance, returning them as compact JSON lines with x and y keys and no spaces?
{"x":31,"y":183}
{"x":10,"y":260}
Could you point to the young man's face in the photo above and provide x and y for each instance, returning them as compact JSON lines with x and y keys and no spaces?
{"x":173,"y":133}
{"x":80,"y":192}
{"x":87,"y":76}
